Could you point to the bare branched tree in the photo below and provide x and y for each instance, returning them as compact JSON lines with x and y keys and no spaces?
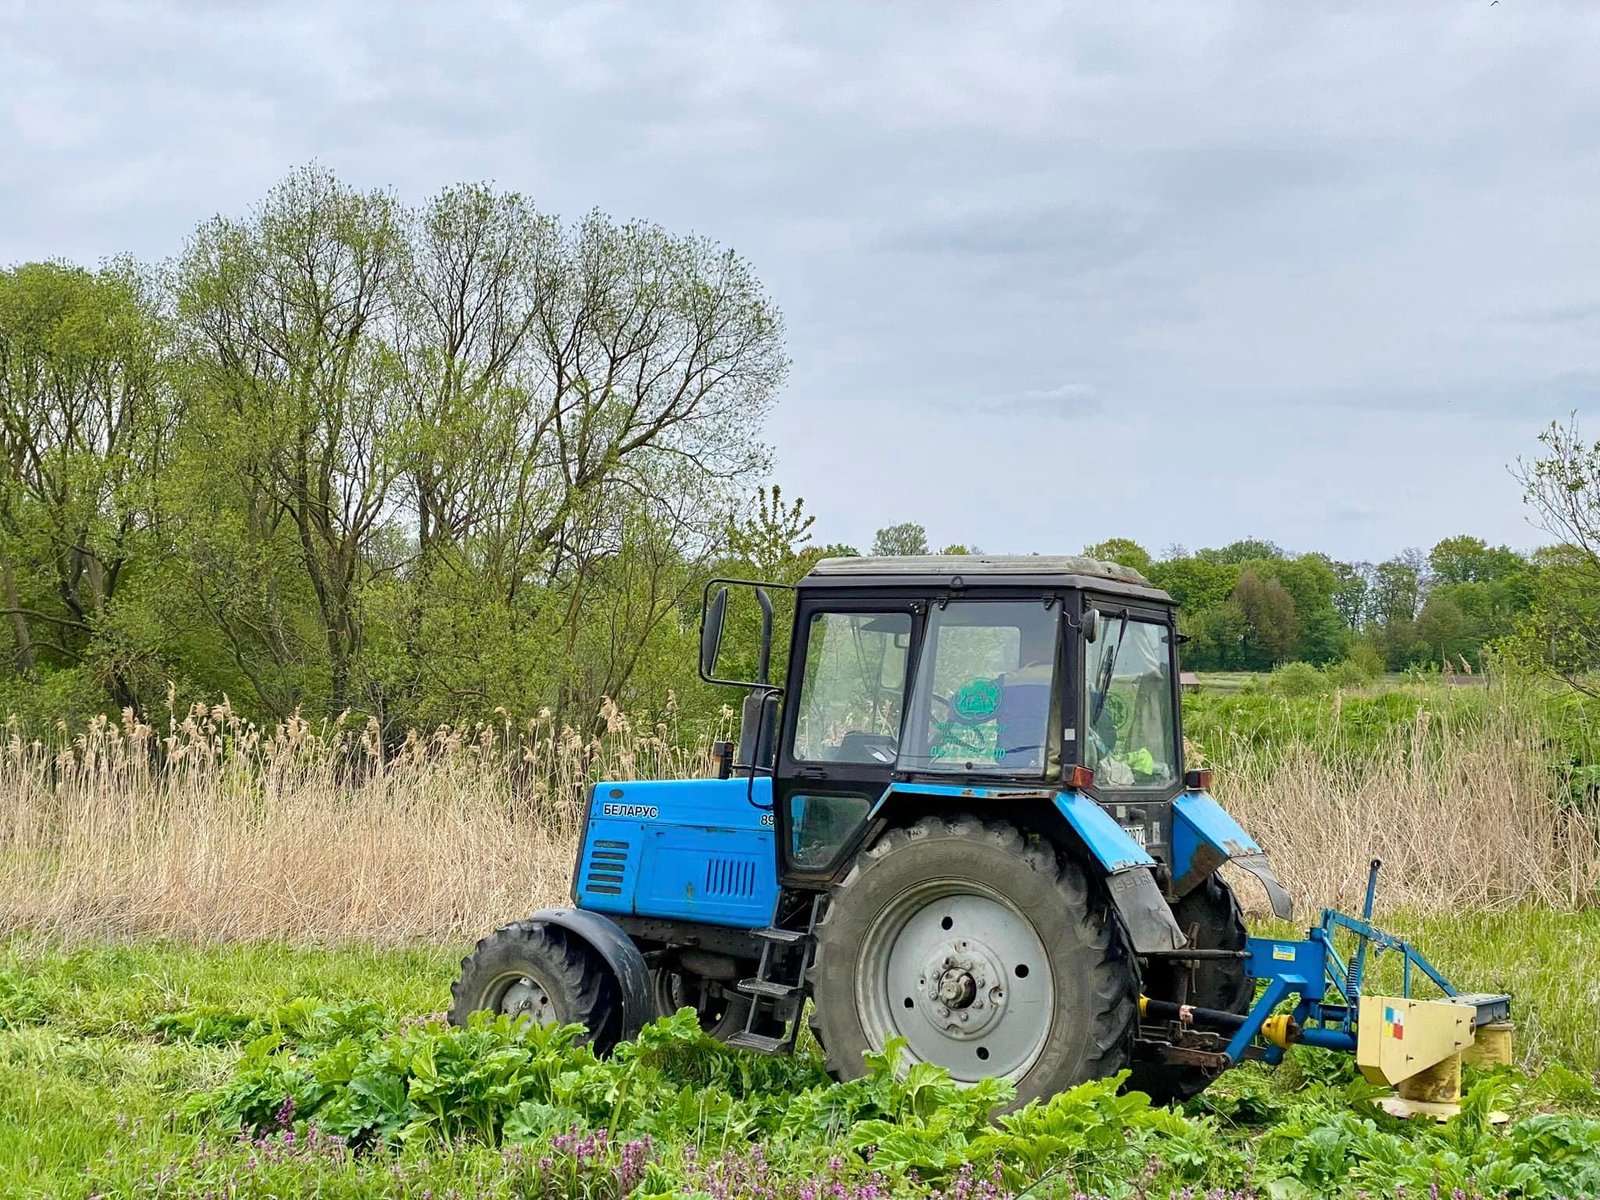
{"x":1562,"y":486}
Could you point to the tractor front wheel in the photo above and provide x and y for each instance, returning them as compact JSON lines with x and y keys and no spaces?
{"x":721,"y":1009}
{"x":989,"y":953}
{"x":541,"y":973}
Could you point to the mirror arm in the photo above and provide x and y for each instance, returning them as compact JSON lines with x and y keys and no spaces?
{"x":763,"y":667}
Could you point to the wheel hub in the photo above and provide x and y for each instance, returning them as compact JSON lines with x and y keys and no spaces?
{"x":525,"y":998}
{"x":957,"y":988}
{"x":964,"y":994}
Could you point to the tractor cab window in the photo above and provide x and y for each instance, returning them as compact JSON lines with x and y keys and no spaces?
{"x":853,"y":689}
{"x":985,"y":680}
{"x":1130,"y":726}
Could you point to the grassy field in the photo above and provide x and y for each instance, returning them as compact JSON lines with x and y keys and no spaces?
{"x":141,"y":1070}
{"x":276,"y":915}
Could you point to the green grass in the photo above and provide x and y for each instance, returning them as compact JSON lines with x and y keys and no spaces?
{"x":83,"y":1071}
{"x":101,"y":1089}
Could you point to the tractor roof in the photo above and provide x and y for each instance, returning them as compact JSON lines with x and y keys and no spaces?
{"x":1048,"y":570}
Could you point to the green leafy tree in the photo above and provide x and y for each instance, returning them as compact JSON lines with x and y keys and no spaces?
{"x":1123,"y":551}
{"x":1312,"y":583}
{"x":1465,"y":559}
{"x":1217,"y":638}
{"x":1352,"y":592}
{"x":1560,"y":633}
{"x":285,"y":314}
{"x":772,"y":537}
{"x":1197,"y":584}
{"x":1396,"y":597}
{"x":1443,"y":628}
{"x":1243,"y":551}
{"x":1562,"y":487}
{"x":462,"y":416}
{"x":906,"y":538}
{"x":1272,"y":626}
{"x":86,"y":422}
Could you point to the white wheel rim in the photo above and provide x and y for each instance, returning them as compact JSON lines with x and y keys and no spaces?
{"x":956,"y":970}
{"x":521,"y":995}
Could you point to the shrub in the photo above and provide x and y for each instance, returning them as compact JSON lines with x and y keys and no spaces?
{"x":1346,"y":676}
{"x":1298,"y":679}
{"x":1366,"y":659}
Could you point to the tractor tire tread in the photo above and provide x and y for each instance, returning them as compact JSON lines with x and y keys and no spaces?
{"x":561,"y":957}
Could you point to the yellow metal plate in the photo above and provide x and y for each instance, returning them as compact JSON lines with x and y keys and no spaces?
{"x":1396,"y":1038}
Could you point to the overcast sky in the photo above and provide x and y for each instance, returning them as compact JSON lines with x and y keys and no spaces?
{"x":1052,"y":273}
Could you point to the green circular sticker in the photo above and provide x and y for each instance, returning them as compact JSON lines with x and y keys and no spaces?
{"x":1120,"y":713}
{"x":978,"y":700}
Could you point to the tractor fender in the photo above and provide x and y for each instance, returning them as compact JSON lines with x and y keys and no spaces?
{"x":1127,"y":869}
{"x":622,"y":958}
{"x":1204,"y":836}
{"x":1130,"y":878}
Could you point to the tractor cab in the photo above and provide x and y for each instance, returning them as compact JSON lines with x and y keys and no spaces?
{"x":911,"y":676}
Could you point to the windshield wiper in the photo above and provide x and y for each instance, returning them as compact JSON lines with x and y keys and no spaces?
{"x":1102,"y":684}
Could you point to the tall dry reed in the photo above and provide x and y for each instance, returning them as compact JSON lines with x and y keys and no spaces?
{"x":216,"y":829}
{"x":1467,"y":806}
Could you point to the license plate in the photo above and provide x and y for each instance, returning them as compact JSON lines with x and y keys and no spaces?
{"x":1136,"y":832}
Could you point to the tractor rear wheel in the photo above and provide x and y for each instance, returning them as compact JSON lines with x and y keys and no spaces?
{"x":532,"y":971}
{"x":989,"y":953}
{"x":1212,"y":912}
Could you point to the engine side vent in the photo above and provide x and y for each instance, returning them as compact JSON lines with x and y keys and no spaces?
{"x":607,"y":861}
{"x":734,"y":877}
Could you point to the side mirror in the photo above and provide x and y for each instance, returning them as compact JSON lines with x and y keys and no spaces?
{"x":711,"y":631}
{"x":1091,"y":624}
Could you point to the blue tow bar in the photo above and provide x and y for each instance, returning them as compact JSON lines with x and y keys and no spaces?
{"x":1326,"y":989}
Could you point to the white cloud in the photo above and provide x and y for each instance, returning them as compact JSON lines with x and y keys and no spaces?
{"x":1290,"y":247}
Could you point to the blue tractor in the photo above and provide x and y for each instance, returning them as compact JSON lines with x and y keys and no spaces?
{"x":962,"y":820}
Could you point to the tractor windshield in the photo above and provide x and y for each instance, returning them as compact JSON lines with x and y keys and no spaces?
{"x":985,"y":681}
{"x":1129,"y":716}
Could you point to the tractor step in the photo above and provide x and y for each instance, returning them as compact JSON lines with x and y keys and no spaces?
{"x":760,"y":1042}
{"x":783,"y":937}
{"x":769,"y":988}
{"x":778,"y":989}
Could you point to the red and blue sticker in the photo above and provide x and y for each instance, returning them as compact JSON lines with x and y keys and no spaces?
{"x":1394,"y":1022}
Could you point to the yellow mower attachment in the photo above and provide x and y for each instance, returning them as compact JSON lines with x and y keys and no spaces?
{"x":1417,"y":1047}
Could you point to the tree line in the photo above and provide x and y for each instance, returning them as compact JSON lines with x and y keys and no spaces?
{"x":1252,"y":606}
{"x":443,"y":462}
